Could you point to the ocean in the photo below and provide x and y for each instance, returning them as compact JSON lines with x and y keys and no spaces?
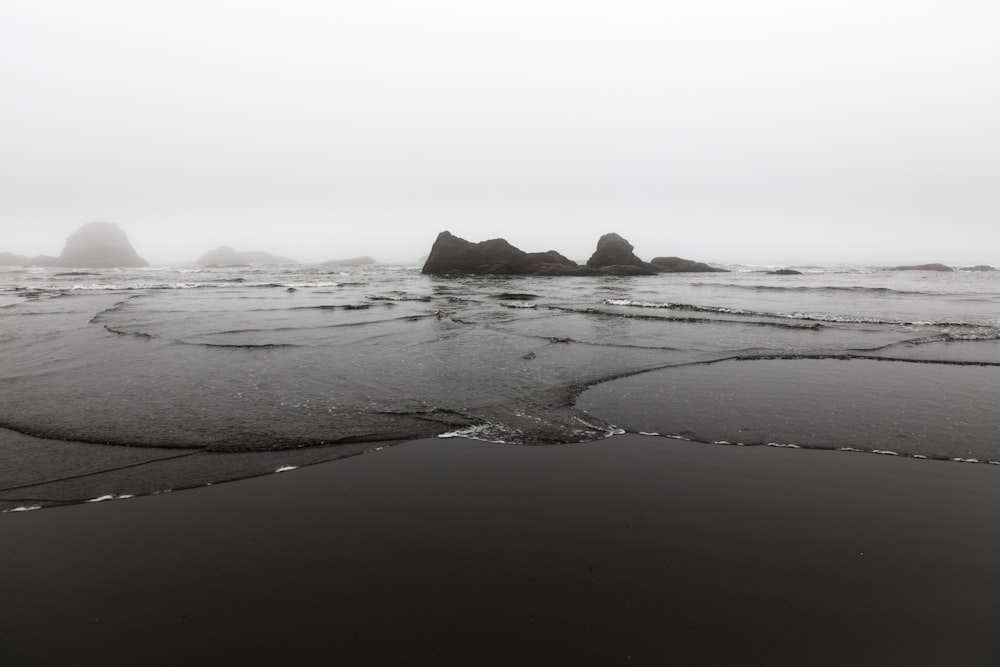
{"x":117,"y":383}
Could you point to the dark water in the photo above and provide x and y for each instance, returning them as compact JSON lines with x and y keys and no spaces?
{"x":117,"y":383}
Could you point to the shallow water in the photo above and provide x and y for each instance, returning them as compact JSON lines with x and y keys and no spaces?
{"x":123,"y":382}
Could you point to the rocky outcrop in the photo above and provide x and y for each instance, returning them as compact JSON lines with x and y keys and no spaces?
{"x":613,"y":250}
{"x":979,"y":267}
{"x":784,"y":272}
{"x":100,"y":245}
{"x":453,"y":255}
{"x":353,"y":261}
{"x":924,"y":267}
{"x":226,"y":256}
{"x":681,"y":265}
{"x":616,"y":255}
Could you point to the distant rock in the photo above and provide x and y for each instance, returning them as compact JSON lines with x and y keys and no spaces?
{"x":453,"y":255}
{"x":353,"y":261}
{"x":681,"y":265}
{"x":226,"y":256}
{"x":10,"y":259}
{"x":100,"y":245}
{"x":613,"y":250}
{"x":979,"y":267}
{"x":924,"y":267}
{"x":784,"y":272}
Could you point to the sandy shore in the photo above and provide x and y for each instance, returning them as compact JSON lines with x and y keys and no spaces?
{"x":629,"y":551}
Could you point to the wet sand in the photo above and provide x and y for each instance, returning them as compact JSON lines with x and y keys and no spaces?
{"x":629,"y":551}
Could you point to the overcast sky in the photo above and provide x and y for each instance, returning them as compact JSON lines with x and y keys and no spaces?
{"x":742,"y":131}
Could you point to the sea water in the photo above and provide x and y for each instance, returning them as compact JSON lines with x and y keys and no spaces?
{"x":123,"y":382}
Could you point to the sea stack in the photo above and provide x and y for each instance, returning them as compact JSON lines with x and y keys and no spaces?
{"x":613,"y":257}
{"x":100,"y":245}
{"x":613,"y":250}
{"x":453,"y":255}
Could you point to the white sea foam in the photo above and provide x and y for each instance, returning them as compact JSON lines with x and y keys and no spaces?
{"x":24,"y":508}
{"x":487,"y":432}
{"x":783,"y":445}
{"x":887,"y":452}
{"x":649,"y":433}
{"x":286,"y":468}
{"x":961,"y":460}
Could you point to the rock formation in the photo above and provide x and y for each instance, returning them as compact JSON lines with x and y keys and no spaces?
{"x":226,"y":256}
{"x":784,"y":272}
{"x":924,"y":267}
{"x":453,"y":255}
{"x":681,"y":265}
{"x":979,"y":267}
{"x":100,"y":245}
{"x":613,"y":250}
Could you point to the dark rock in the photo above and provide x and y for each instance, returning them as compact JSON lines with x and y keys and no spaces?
{"x":613,"y":250}
{"x":924,"y":267}
{"x":100,"y":245}
{"x":681,"y":265}
{"x":226,"y":256}
{"x":614,"y":257}
{"x":353,"y":261}
{"x":979,"y":267}
{"x":453,"y":255}
{"x":784,"y":272}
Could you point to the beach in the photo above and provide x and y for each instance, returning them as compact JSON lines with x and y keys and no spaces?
{"x":498,"y":471}
{"x":631,"y":550}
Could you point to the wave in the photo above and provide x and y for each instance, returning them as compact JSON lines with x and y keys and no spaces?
{"x":808,"y":317}
{"x":684,"y":320}
{"x":221,"y":283}
{"x":806,"y":288}
{"x":400,"y":297}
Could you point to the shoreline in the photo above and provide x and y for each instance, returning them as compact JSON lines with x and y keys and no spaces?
{"x":630,"y":550}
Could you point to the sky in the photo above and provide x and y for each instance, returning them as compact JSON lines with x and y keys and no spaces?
{"x":855,"y":131}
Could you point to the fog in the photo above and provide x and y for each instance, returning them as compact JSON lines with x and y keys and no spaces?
{"x":766,"y":132}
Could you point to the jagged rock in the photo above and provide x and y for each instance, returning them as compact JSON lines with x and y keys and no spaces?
{"x":451,"y":254}
{"x":784,"y":272}
{"x":613,"y":250}
{"x":353,"y":261}
{"x":614,"y":257}
{"x":979,"y":267}
{"x":924,"y":267}
{"x":226,"y":256}
{"x":100,"y":245}
{"x":681,"y":265}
